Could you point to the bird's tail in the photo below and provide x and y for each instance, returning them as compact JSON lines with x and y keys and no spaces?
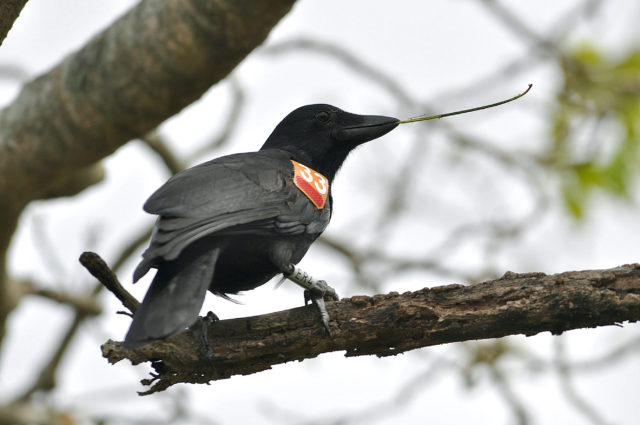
{"x":174,"y":298}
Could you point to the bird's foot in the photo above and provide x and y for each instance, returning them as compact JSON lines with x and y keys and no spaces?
{"x":316,"y":291}
{"x":199,"y":329}
{"x":317,"y":297}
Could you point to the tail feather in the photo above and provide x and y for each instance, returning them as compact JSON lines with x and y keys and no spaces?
{"x":173,"y":300}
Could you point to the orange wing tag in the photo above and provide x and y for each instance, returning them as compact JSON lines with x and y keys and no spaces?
{"x":313,"y":184}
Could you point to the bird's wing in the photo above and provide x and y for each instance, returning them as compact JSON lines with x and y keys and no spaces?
{"x":249,"y":193}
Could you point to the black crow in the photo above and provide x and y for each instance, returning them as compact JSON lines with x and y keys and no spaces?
{"x":233,"y":223}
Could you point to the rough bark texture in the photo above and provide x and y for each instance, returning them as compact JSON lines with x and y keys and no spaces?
{"x":151,"y":63}
{"x":148,"y":65}
{"x":9,"y":11}
{"x":391,"y":324}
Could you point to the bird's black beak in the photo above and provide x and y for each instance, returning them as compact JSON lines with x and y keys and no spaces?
{"x":362,"y":128}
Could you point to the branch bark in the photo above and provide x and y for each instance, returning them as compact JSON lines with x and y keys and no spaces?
{"x":148,"y":65}
{"x":9,"y":12}
{"x":390,"y":324}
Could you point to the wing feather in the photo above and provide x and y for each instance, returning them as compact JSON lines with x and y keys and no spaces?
{"x":248,"y":193}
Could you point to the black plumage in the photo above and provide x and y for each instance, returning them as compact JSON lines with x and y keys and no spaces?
{"x":233,"y":223}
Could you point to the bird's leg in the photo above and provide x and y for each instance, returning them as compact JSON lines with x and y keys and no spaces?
{"x":199,"y":329}
{"x":315,"y":290}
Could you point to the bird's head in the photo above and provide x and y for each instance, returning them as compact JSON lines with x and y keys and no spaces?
{"x":321,"y":136}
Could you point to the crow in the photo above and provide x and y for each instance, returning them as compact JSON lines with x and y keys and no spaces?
{"x":233,"y":223}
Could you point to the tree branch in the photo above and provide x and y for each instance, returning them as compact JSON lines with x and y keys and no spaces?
{"x":144,"y":68}
{"x":394,"y":323}
{"x":99,"y":269}
{"x":9,"y":12}
{"x":85,"y":305}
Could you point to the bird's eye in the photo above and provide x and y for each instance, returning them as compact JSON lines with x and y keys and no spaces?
{"x":323,"y":116}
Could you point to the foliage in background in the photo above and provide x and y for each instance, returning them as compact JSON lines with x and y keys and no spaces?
{"x":600,"y":97}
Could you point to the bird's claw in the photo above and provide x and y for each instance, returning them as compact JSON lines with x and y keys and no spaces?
{"x":324,"y":314}
{"x":317,"y":296}
{"x":316,"y":291}
{"x":199,"y":329}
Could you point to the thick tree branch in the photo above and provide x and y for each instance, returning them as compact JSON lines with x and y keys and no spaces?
{"x":148,"y":65}
{"x":9,"y":12}
{"x":391,"y":324}
{"x":73,"y":183}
